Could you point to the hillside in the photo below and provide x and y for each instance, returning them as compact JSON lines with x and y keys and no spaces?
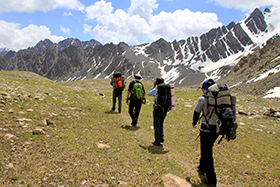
{"x":50,"y":133}
{"x":258,"y":72}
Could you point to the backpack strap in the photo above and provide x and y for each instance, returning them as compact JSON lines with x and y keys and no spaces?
{"x":203,"y":114}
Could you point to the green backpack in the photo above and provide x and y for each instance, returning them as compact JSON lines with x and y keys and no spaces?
{"x":137,"y":91}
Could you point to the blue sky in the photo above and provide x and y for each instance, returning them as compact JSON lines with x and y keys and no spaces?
{"x":24,"y":23}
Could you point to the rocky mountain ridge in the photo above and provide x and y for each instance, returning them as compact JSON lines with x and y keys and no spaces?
{"x":45,"y":44}
{"x":185,"y":62}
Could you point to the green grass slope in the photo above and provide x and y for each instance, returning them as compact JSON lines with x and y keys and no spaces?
{"x":67,"y":152}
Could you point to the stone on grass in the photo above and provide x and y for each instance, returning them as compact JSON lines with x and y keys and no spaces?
{"x":49,"y":121}
{"x":170,"y":180}
{"x":10,"y":166}
{"x":102,"y":146}
{"x":10,"y":136}
{"x":38,"y":130}
{"x":29,"y":110}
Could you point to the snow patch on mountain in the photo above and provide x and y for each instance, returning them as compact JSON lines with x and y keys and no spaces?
{"x":171,"y":75}
{"x":265,"y":74}
{"x":140,"y":50}
{"x":273,"y":93}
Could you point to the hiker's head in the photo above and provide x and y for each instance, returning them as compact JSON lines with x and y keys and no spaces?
{"x":206,"y":84}
{"x":159,"y":80}
{"x":137,"y":76}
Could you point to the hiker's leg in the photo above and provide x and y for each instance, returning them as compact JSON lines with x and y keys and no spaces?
{"x":120,"y":101}
{"x":203,"y":149}
{"x":138,"y":105}
{"x":161,"y":132}
{"x":131,"y":109}
{"x":114,"y":100}
{"x":157,"y":128}
{"x":208,"y":139}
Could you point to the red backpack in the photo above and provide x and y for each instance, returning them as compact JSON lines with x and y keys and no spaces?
{"x":118,"y":81}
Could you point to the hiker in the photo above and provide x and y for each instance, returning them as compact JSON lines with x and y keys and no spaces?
{"x":118,"y":83}
{"x":136,"y":97}
{"x":208,"y":136}
{"x":158,"y":114}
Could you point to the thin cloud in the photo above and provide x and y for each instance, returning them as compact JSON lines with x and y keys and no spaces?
{"x":66,"y":14}
{"x":64,"y":30}
{"x":38,"y":5}
{"x":246,"y":5}
{"x":87,"y":29}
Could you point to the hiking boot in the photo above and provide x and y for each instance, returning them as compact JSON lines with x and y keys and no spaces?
{"x":205,"y":181}
{"x":134,"y":122}
{"x":157,"y":144}
{"x":161,"y":140}
{"x":200,"y":170}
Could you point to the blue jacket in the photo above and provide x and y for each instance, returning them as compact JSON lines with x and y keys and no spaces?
{"x":153,"y":92}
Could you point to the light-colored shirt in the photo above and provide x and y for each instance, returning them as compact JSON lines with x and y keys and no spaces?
{"x":201,"y":106}
{"x":153,"y":92}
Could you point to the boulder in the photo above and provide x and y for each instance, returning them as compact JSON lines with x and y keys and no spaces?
{"x":170,"y":180}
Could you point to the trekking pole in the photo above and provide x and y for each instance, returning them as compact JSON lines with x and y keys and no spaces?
{"x":221,"y":139}
{"x":197,"y":136}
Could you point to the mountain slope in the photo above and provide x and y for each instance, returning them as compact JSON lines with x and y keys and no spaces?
{"x":184,"y":62}
{"x":258,"y":72}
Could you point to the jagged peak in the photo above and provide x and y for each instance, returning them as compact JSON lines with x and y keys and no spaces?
{"x":267,"y":10}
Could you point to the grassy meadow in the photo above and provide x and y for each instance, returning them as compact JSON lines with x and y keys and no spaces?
{"x":67,"y":152}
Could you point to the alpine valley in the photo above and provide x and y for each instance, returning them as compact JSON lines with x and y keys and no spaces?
{"x":244,"y":51}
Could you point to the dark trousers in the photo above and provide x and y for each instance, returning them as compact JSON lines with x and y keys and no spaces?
{"x":207,"y":140}
{"x":117,"y":94}
{"x":134,"y":110}
{"x":159,"y":117}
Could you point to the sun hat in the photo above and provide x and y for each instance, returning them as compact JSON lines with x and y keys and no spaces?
{"x":137,"y":76}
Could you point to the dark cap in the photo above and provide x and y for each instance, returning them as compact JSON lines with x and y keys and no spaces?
{"x":206,"y":84}
{"x":159,"y":80}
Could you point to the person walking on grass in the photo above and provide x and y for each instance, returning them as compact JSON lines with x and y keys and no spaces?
{"x":136,"y":97}
{"x":118,"y":83}
{"x":158,"y":114}
{"x":208,"y":136}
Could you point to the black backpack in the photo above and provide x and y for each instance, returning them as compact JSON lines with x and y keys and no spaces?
{"x":222,"y":110}
{"x":163,"y":98}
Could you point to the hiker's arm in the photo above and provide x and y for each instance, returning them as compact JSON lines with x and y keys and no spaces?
{"x":143,"y":88}
{"x":195,"y":118}
{"x":197,"y":110}
{"x":152,"y":92}
{"x":127,"y":95}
